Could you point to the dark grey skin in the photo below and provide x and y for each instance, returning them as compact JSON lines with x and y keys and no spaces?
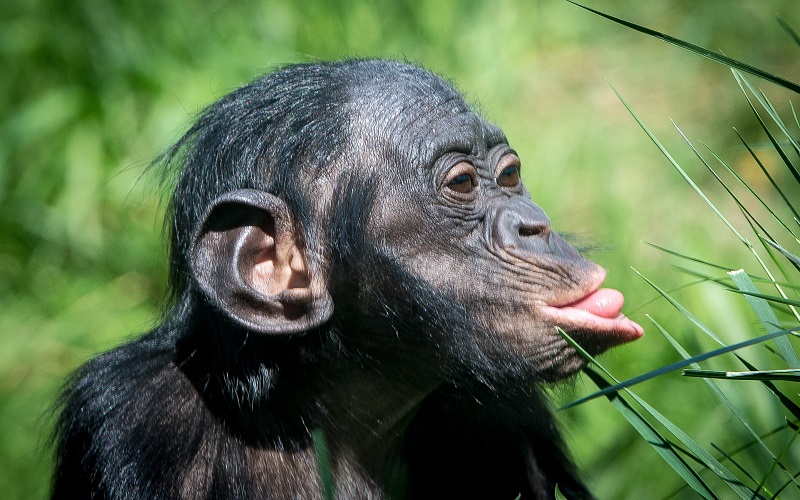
{"x":352,"y":251}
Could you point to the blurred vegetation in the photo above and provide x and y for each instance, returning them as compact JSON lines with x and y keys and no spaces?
{"x":92,"y":91}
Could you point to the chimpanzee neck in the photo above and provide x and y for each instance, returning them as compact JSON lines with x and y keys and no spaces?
{"x":274,"y":392}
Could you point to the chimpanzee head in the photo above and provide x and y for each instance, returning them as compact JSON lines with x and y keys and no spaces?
{"x":366,"y":198}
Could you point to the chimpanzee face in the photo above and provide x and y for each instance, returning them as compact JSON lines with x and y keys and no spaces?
{"x":452,"y":208}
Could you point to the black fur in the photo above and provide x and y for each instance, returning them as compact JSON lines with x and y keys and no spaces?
{"x":201,"y":407}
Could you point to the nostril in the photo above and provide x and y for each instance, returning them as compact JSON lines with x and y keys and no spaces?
{"x":533,"y":229}
{"x":529,"y":231}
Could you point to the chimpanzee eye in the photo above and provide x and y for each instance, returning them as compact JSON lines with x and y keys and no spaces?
{"x":462,"y":178}
{"x":461,"y":184}
{"x":509,"y":175}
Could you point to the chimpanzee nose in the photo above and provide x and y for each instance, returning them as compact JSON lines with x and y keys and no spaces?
{"x":521,"y":224}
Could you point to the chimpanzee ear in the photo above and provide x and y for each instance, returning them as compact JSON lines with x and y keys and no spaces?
{"x":250,"y":263}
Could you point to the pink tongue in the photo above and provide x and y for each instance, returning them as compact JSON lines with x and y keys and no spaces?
{"x":605,"y":302}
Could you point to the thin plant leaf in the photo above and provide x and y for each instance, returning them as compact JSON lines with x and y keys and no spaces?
{"x":790,"y":375}
{"x":673,"y":367}
{"x":324,"y":465}
{"x":771,"y":246}
{"x":694,"y":186}
{"x":760,"y":279}
{"x":744,"y":240}
{"x":741,"y":238}
{"x":792,"y":258}
{"x":766,"y":315}
{"x":769,"y":108}
{"x":752,"y":192}
{"x":647,"y":430}
{"x":785,"y":485}
{"x":700,"y":453}
{"x":729,"y":458}
{"x":773,"y":113}
{"x":714,"y":56}
{"x":706,"y":277}
{"x":681,"y":364}
{"x":673,"y":290}
{"x":771,"y":298}
{"x":752,"y":221}
{"x":770,"y":136}
{"x":770,"y":179}
{"x":762,"y":97}
{"x":660,"y":444}
{"x":787,"y":403}
{"x":774,"y":464}
{"x":688,"y":315}
{"x":697,"y":190}
{"x":788,"y":29}
{"x":779,"y":263}
{"x":686,"y":257}
{"x":734,"y":409}
{"x":703,"y":277}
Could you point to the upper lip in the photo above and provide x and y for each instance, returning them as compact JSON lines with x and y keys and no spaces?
{"x":581,"y":293}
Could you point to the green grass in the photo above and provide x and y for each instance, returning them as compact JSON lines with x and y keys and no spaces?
{"x":91,"y":92}
{"x":753,"y":468}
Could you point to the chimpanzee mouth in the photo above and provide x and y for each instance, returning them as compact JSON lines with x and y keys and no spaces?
{"x":599,"y":312}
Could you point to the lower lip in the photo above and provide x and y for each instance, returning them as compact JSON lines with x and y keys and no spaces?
{"x":620,"y":329}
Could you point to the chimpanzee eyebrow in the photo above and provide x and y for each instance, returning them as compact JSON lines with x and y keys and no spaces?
{"x":450,"y":143}
{"x":494,"y":136}
{"x":465,"y":138}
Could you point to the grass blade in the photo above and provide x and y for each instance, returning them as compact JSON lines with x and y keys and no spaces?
{"x":686,"y":257}
{"x":714,"y":56}
{"x":768,"y":107}
{"x":691,"y":317}
{"x":717,"y":392}
{"x":794,"y":259}
{"x":728,"y":457}
{"x":771,"y":298}
{"x":788,"y":29}
{"x":785,"y":400}
{"x":324,"y":465}
{"x":703,"y":456}
{"x":752,"y":192}
{"x":790,"y":375}
{"x":673,"y":367}
{"x":769,"y":178}
{"x":766,"y":315}
{"x":766,"y":129}
{"x":660,"y":444}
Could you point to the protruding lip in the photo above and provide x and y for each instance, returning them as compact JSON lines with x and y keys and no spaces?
{"x":596,"y":315}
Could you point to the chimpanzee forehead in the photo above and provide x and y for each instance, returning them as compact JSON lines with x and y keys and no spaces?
{"x":419,"y":115}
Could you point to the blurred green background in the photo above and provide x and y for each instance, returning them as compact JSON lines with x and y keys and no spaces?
{"x":91,"y":91}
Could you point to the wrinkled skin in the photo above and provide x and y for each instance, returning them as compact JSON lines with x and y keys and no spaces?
{"x":352,"y":251}
{"x":488,"y":245}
